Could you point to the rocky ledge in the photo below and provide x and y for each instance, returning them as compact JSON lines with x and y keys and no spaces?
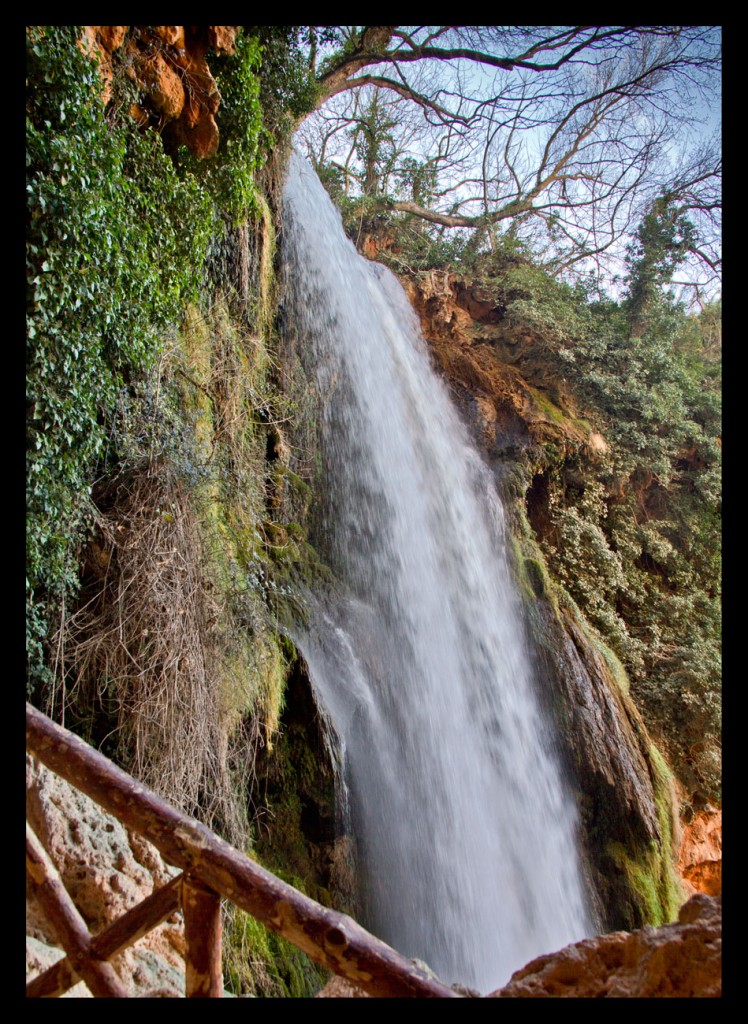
{"x":683,"y":959}
{"x":678,"y":960}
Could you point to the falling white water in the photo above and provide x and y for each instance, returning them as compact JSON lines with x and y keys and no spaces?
{"x":465,"y":836}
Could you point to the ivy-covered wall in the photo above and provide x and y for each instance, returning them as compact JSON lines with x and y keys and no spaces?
{"x":160,"y":545}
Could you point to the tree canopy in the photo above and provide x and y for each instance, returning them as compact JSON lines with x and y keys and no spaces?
{"x":564,"y":137}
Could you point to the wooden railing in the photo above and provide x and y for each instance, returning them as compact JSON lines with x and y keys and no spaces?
{"x":211,"y":870}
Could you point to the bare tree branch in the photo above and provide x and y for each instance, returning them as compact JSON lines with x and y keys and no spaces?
{"x":564,"y":134}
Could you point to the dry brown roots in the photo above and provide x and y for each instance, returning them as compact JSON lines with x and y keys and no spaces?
{"x":140,"y":651}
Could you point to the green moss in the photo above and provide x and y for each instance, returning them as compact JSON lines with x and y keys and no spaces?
{"x":537,"y":575}
{"x":650,"y":869}
{"x":195,"y":344}
{"x":266,"y":278}
{"x":670,"y":889}
{"x":651,"y":879}
{"x":527,"y":560}
{"x":547,"y":407}
{"x":223,"y":382}
{"x":260,"y":963}
{"x":641,"y":871}
{"x":616,"y":671}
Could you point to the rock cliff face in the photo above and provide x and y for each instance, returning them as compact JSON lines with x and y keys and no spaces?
{"x":168,"y":63}
{"x":303,"y":832}
{"x":700,"y":859}
{"x":496,"y":373}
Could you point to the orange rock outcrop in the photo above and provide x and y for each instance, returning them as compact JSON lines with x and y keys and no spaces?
{"x":700,"y":859}
{"x":498,"y":374}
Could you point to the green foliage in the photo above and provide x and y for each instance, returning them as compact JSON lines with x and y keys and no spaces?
{"x":418,"y":249}
{"x":229,"y":178}
{"x":419,"y":246}
{"x":374,"y":144}
{"x":288,"y":86}
{"x":635,"y":533}
{"x":332,"y":176}
{"x":117,"y":237}
{"x":416,"y":179}
{"x":661,"y":242}
{"x":699,"y":344}
{"x":597,"y":581}
{"x":115,"y":241}
{"x":532,"y":298}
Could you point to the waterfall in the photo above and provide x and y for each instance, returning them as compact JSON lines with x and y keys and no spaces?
{"x":467,"y":853}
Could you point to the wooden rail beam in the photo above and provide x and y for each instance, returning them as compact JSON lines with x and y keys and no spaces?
{"x":330,"y":938}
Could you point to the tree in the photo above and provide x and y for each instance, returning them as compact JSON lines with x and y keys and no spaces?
{"x":565,"y":135}
{"x":660,"y":244}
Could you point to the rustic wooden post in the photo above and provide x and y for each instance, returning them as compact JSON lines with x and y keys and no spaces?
{"x":202,"y":933}
{"x":68,"y":924}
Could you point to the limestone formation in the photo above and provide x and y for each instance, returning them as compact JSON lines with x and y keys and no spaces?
{"x":700,"y":860}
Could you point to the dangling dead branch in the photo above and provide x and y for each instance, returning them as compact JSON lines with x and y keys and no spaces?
{"x":140,"y":650}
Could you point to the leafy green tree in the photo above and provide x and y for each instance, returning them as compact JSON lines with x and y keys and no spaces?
{"x":661,"y":243}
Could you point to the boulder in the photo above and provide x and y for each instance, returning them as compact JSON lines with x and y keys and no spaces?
{"x":683,"y":959}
